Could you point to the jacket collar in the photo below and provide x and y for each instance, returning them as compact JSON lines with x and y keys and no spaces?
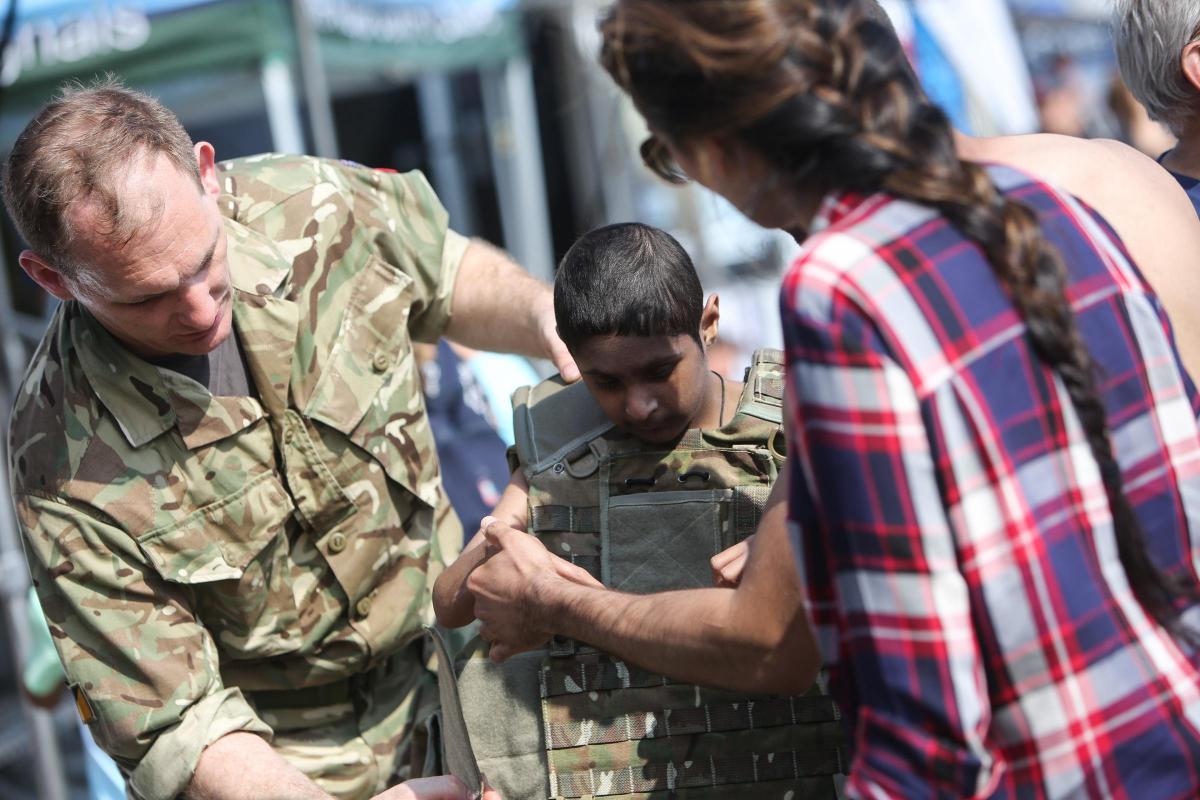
{"x":147,"y":401}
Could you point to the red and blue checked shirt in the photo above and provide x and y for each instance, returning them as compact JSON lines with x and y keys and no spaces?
{"x":950,"y":522}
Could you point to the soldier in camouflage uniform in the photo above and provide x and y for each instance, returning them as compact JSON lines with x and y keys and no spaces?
{"x":646,"y":479}
{"x":220,"y":459}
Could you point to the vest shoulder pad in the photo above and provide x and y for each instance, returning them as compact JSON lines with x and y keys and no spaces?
{"x":552,"y":420}
{"x":763,"y":394}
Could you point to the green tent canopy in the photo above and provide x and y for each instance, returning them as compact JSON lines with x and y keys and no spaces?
{"x":204,"y":54}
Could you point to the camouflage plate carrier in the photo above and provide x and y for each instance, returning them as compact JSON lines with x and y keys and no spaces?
{"x":568,"y":721}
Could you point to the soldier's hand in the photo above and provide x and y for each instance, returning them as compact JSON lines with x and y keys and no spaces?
{"x":728,"y":565}
{"x":507,"y":587}
{"x":443,"y":788}
{"x":556,"y":351}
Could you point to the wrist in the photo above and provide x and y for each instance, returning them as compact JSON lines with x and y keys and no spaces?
{"x":545,"y":604}
{"x":541,"y":310}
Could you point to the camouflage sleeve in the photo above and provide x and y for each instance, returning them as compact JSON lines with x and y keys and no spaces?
{"x":142,"y":665}
{"x":411,"y":233}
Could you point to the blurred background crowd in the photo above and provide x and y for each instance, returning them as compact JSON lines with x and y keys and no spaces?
{"x":527,"y":143}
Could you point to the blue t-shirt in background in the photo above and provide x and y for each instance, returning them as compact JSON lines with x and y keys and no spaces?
{"x":1190,"y":185}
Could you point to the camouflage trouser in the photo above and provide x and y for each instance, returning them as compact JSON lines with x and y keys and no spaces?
{"x":356,"y":748}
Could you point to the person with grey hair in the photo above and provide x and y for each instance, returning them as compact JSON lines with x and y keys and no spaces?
{"x":1158,"y":50}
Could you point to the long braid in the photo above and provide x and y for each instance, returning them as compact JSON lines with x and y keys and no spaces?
{"x":838,"y":107}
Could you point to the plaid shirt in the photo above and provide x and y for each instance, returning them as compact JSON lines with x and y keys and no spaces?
{"x":958,"y":549}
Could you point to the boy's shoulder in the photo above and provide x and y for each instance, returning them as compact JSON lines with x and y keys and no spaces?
{"x":554,"y":419}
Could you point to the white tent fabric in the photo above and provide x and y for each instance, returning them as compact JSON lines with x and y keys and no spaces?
{"x":979,"y":39}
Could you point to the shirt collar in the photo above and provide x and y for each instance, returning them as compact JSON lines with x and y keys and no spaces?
{"x":147,"y":401}
{"x":835,"y":207}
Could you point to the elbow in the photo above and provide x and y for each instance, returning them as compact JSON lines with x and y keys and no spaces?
{"x":787,"y":660}
{"x":786,"y":673}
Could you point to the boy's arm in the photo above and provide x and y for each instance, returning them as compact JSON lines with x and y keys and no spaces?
{"x":452,"y":603}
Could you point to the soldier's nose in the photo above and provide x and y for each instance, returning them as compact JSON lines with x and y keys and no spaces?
{"x":199,"y":309}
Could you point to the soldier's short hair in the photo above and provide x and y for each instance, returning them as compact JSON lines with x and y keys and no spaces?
{"x":627,"y":279}
{"x":1150,"y":36}
{"x":78,"y":148}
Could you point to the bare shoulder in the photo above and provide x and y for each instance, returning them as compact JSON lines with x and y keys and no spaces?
{"x":1136,"y":195}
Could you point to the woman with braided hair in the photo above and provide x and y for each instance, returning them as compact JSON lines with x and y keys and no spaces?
{"x":978,"y":564}
{"x":994,"y":456}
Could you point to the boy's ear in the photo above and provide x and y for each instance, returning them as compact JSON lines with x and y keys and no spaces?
{"x":710,"y":320}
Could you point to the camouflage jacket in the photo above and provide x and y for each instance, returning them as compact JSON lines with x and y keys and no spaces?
{"x":187,"y":547}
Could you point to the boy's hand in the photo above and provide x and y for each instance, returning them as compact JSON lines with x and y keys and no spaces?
{"x":507,"y":588}
{"x":728,"y":565}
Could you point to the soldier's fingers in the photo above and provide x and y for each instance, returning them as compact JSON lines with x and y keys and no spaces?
{"x":576,"y":574}
{"x":565,"y":364}
{"x":499,"y":652}
{"x":494,"y":531}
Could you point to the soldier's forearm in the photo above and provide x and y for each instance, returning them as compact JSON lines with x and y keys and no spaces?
{"x":694,"y":636}
{"x":497,"y":305}
{"x":756,"y":637}
{"x":242,"y":766}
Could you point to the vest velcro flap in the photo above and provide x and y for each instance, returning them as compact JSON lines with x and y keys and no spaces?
{"x":661,"y":541}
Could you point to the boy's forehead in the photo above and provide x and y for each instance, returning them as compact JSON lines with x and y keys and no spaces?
{"x":616,"y":354}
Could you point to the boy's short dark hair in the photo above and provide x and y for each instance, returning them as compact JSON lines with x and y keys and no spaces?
{"x":626,"y":279}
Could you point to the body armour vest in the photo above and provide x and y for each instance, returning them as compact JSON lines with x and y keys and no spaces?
{"x":568,"y":721}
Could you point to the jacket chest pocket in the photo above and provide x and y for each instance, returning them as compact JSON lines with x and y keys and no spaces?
{"x":234,"y":556}
{"x":369,"y":390}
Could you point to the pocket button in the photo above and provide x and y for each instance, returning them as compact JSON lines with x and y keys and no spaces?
{"x":380,"y":362}
{"x":337,"y":542}
{"x":363,"y":607}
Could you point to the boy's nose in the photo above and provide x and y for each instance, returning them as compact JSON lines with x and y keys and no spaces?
{"x":639,"y":406}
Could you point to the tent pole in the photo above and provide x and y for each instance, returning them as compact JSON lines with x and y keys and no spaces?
{"x":511,"y":112}
{"x":438,"y":125}
{"x":283,"y":108}
{"x":316,"y":87}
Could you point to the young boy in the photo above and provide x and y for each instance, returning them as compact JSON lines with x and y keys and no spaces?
{"x":648,"y":476}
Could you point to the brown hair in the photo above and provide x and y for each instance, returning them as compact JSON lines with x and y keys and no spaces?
{"x":76,"y":149}
{"x":824,"y":93}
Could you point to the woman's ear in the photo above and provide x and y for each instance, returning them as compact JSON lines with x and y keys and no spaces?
{"x":1189,"y":62}
{"x":710,"y":320}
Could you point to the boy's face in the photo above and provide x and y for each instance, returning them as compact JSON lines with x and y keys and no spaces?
{"x":650,"y":386}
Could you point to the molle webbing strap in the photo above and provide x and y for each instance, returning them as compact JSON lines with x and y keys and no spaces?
{"x":680,"y":711}
{"x":730,"y":763}
{"x":567,"y":519}
{"x":762,"y":396}
{"x":748,"y":505}
{"x":614,"y":730}
{"x":770,"y":386}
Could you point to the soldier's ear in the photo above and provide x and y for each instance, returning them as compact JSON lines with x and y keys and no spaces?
{"x":45,"y":275}
{"x":710,"y":320}
{"x":206,"y":159}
